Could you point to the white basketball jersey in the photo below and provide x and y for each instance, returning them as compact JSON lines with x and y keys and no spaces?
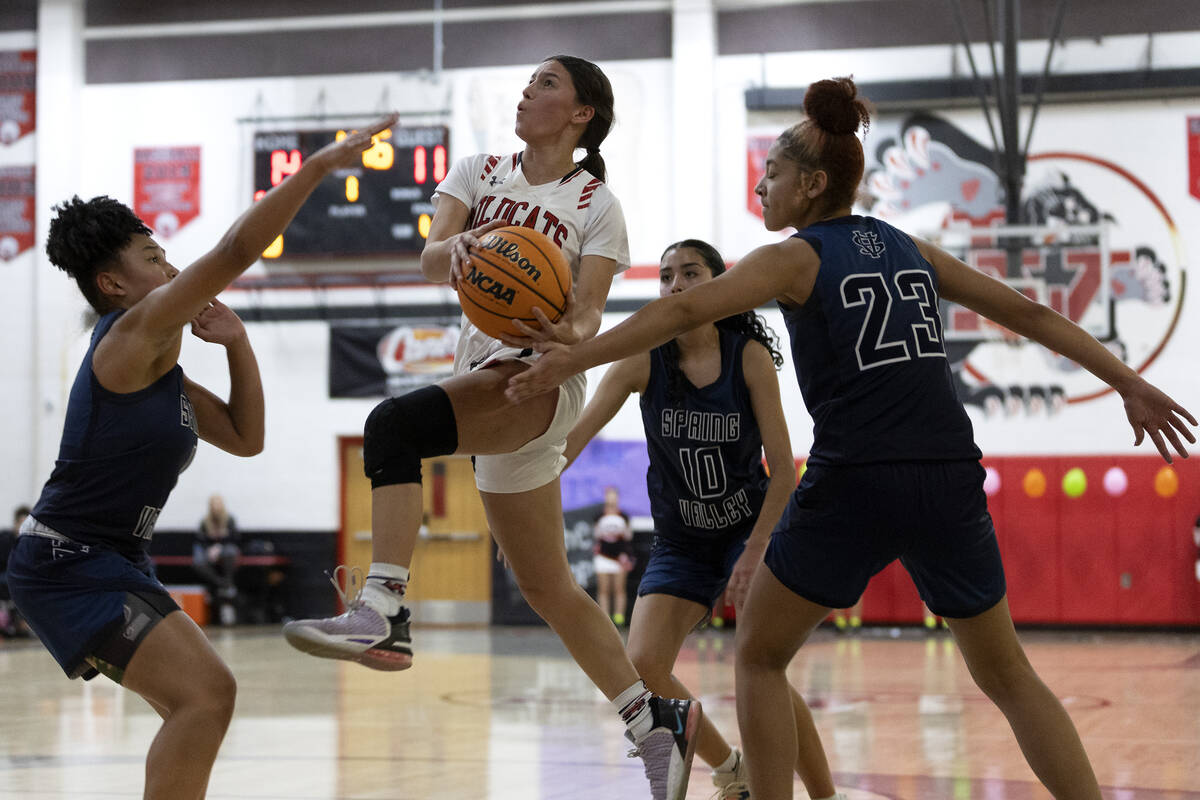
{"x":578,"y":212}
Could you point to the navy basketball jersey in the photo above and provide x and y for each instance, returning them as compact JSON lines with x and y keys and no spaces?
{"x":119,"y":459}
{"x":868,"y":350}
{"x":706,"y":477}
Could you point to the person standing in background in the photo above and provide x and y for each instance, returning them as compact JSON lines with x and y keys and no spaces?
{"x":613,"y":556}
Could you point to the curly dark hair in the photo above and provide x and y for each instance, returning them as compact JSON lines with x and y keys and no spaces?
{"x":86,"y":236}
{"x":747,"y":323}
{"x":827,"y":138}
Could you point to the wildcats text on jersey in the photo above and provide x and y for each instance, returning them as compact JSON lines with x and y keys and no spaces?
{"x":518,"y":212}
{"x":702,"y":426}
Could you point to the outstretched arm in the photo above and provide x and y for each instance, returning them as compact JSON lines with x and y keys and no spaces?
{"x":164,"y":310}
{"x":236,"y":426}
{"x":1150,"y":411}
{"x":786,"y":269}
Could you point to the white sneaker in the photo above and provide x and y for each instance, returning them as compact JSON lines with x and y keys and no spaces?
{"x":362,"y":634}
{"x":733,"y":784}
{"x":667,"y":750}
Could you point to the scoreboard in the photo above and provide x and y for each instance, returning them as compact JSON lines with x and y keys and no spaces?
{"x":380,"y":206}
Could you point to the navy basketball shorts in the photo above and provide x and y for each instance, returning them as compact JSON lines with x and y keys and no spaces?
{"x":846,"y":523}
{"x":693,"y":571}
{"x":90,"y":606}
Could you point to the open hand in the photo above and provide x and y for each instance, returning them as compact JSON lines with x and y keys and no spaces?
{"x":540,"y":338}
{"x":460,"y":248}
{"x":743,"y":571}
{"x":218,"y":324}
{"x":547,"y":373}
{"x":1151,"y":412}
{"x":346,"y":151}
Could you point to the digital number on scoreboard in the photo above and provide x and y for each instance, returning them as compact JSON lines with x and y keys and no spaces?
{"x":379,"y":206}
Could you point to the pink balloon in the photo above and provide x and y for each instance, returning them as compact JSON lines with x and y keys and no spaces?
{"x":1116,"y":481}
{"x":991,"y":481}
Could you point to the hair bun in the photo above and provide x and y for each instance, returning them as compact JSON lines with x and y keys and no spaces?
{"x":834,"y":105}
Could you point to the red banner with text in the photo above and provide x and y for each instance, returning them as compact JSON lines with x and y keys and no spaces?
{"x":16,"y":211}
{"x":166,"y":187}
{"x":18,"y":93}
{"x":757,"y":146}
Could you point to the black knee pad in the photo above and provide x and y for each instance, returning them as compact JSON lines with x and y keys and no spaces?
{"x":403,"y":430}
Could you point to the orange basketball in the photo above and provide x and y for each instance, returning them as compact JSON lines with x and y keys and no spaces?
{"x":513,"y":271}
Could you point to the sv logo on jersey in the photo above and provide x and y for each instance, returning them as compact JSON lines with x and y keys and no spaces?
{"x":868,"y":243}
{"x":485,"y":284}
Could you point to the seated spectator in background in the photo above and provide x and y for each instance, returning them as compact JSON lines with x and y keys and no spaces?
{"x":11,"y":623}
{"x":215,"y":557}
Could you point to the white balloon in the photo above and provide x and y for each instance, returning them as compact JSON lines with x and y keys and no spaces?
{"x":1116,"y":481}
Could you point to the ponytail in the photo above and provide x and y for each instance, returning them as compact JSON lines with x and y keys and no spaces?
{"x":593,"y":162}
{"x":592,"y":88}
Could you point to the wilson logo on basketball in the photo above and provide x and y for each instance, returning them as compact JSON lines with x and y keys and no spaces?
{"x":510,"y":251}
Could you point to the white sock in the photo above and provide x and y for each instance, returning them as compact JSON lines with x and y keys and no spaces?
{"x":385,"y":587}
{"x":728,"y":764}
{"x":386,"y":571}
{"x":831,"y":797}
{"x":633,"y":705}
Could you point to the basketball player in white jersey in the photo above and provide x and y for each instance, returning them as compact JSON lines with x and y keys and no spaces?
{"x":567,"y":105}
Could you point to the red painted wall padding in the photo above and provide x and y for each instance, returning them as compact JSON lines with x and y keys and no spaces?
{"x":1096,"y":559}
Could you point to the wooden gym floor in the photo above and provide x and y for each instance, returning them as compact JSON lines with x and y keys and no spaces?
{"x":502,"y":713}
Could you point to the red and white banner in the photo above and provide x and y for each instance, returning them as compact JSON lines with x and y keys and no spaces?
{"x":1193,"y":135}
{"x":757,"y":145}
{"x":166,"y":187}
{"x":16,"y":211}
{"x":18,"y":93}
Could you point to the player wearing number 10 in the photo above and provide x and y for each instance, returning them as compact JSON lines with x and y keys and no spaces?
{"x":894,"y":471}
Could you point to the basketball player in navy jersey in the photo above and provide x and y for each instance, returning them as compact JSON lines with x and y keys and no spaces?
{"x":894,"y":471}
{"x":80,"y":572}
{"x":711,"y":408}
{"x":518,"y":447}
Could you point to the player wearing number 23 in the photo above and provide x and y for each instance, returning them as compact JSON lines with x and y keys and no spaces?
{"x":894,"y":472}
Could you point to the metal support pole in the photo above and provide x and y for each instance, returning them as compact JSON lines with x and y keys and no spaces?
{"x":1014,"y":158}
